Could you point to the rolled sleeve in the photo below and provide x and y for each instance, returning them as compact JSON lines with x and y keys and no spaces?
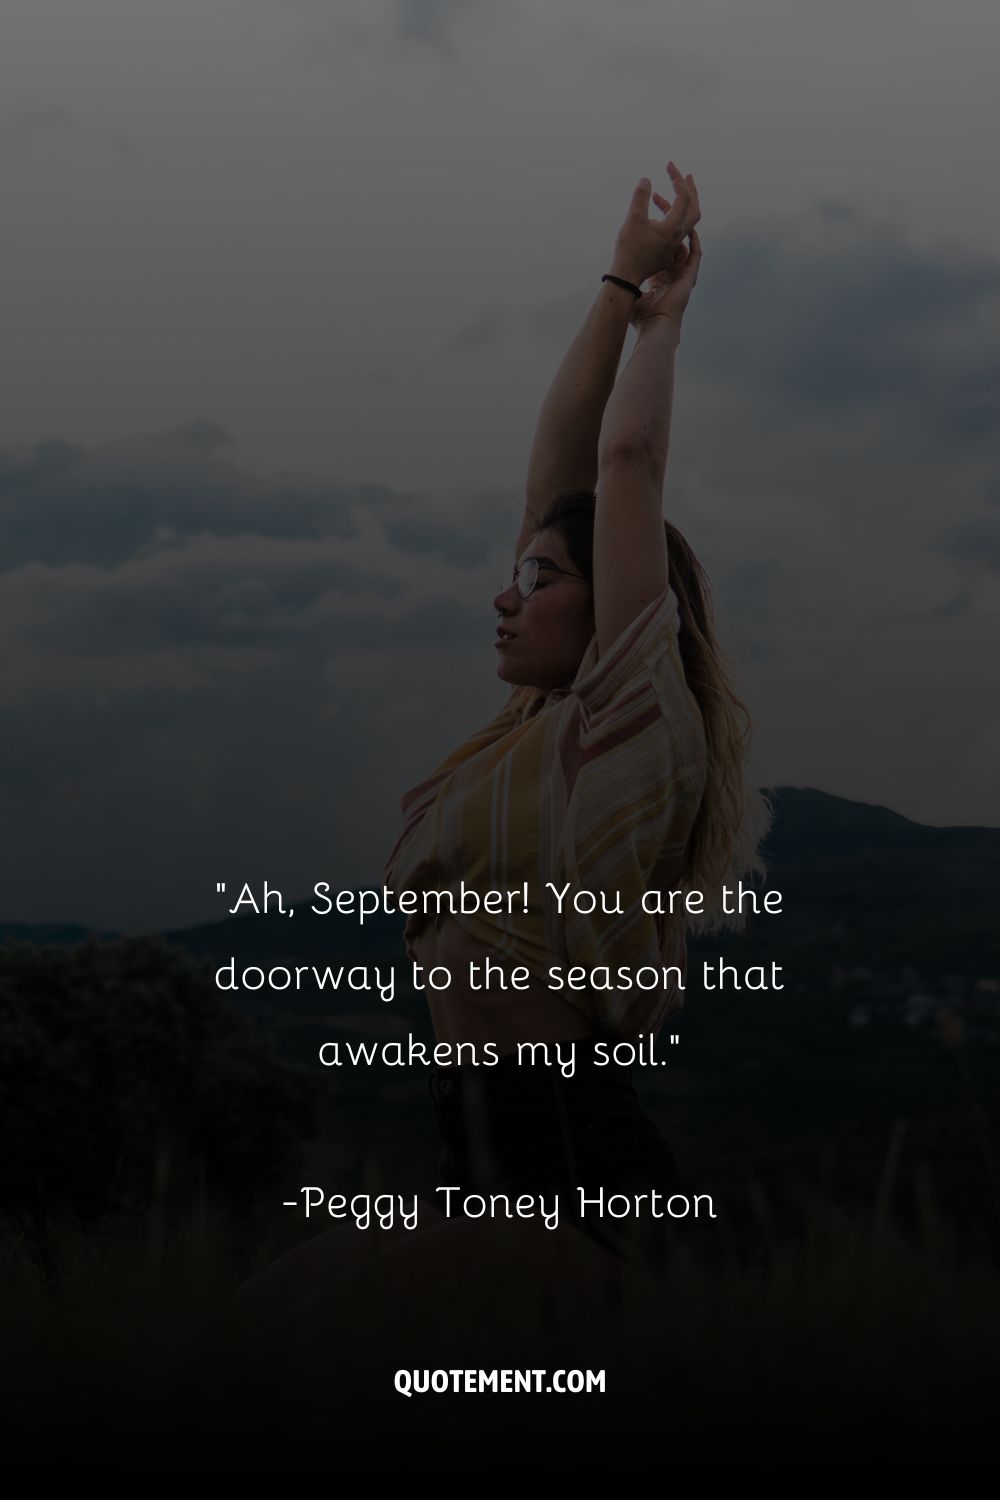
{"x":640,"y":645}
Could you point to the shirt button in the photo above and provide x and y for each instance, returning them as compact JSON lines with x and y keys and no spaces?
{"x":446,"y":1085}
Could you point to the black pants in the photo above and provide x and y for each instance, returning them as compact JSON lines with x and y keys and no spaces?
{"x":528,"y":1129}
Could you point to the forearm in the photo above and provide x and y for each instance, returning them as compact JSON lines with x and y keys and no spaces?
{"x":637,"y":417}
{"x":569,"y":423}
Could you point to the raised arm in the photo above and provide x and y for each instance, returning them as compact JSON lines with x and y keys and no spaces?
{"x":564,"y":450}
{"x":564,"y":453}
{"x":630,"y":548}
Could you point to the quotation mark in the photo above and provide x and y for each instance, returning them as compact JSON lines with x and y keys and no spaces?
{"x":220,"y":886}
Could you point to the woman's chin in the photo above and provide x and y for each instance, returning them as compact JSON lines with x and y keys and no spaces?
{"x":507,"y":672}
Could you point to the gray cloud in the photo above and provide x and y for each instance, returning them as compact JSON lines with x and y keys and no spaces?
{"x":220,"y":669}
{"x":369,"y":36}
{"x":664,"y":65}
{"x":960,"y":604}
{"x":429,"y":21}
{"x":812,"y":329}
{"x":974,"y":542}
{"x":23,"y":126}
{"x":60,"y":503}
{"x":163,"y":543}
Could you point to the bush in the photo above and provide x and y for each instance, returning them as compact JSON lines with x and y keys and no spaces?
{"x":127,"y":1079}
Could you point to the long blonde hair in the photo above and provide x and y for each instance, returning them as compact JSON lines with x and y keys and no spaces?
{"x":734,"y":817}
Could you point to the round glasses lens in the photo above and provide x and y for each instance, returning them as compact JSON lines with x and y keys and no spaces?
{"x":526,"y":576}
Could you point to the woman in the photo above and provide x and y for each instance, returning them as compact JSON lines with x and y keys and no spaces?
{"x":616,"y":766}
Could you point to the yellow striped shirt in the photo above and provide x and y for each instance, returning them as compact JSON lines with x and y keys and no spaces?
{"x":597,"y":785}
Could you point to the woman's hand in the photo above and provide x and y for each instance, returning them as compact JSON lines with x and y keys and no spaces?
{"x":644,"y":247}
{"x":668,"y":294}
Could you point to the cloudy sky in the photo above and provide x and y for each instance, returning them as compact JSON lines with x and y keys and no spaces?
{"x":285,"y":282}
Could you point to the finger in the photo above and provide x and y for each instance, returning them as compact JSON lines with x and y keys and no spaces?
{"x":681,"y":183}
{"x":687,"y":188}
{"x":690,"y":271}
{"x":662,"y":203}
{"x":680,"y":207}
{"x":640,"y":197}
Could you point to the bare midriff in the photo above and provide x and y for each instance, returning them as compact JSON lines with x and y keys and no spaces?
{"x":504,"y":1016}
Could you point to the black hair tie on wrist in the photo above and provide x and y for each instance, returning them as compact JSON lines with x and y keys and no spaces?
{"x":628,"y":285}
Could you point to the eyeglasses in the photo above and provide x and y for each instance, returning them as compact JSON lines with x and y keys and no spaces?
{"x":526,"y":576}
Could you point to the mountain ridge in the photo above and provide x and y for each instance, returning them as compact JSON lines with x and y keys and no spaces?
{"x":810,"y":825}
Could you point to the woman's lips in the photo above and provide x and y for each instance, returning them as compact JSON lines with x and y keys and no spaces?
{"x":504,"y":638}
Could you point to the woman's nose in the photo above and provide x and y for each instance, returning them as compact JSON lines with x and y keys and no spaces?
{"x":507,"y":599}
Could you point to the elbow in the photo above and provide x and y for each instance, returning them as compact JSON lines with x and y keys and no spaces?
{"x":630,"y":448}
{"x":626,"y":448}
